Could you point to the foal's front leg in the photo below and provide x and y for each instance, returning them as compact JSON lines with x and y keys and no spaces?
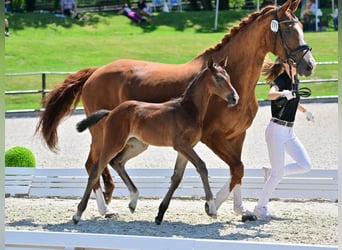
{"x":201,"y":168}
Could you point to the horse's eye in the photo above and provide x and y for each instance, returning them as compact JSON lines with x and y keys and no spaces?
{"x":218,"y":78}
{"x":221,"y":78}
{"x":288,"y":29}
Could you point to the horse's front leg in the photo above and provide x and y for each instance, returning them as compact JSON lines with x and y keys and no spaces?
{"x":133,"y":148}
{"x":192,"y":156}
{"x":175,"y":180}
{"x":229,"y":152}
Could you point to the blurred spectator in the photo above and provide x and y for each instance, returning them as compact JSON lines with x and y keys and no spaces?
{"x":309,"y":15}
{"x":131,"y":14}
{"x":144,"y":9}
{"x":68,"y":8}
{"x":336,"y":18}
{"x":6,"y":28}
{"x":7,"y":6}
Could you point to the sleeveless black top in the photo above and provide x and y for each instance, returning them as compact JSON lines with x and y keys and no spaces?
{"x":282,"y":108}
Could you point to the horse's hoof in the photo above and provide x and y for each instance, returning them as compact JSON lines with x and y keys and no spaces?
{"x":111,"y":215}
{"x":248,"y":217}
{"x":131,"y":208}
{"x":207,"y":210}
{"x":157,"y":220}
{"x":76,"y":219}
{"x":107,"y":198}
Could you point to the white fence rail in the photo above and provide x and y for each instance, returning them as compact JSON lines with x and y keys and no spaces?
{"x":71,"y":182}
{"x":20,"y":240}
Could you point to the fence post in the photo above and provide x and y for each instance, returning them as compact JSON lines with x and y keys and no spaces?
{"x":43,"y":85}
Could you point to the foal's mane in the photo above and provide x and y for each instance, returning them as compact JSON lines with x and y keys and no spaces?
{"x":244,"y":22}
{"x":192,"y":82}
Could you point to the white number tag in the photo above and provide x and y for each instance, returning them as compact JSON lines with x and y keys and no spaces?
{"x":274,"y":26}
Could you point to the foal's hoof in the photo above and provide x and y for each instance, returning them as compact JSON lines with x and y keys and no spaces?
{"x":76,"y":219}
{"x":134,"y":201}
{"x":157,"y":220}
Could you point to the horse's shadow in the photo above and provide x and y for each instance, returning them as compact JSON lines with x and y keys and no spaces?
{"x":231,"y":230}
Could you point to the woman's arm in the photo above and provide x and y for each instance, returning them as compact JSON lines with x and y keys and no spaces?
{"x":301,"y":108}
{"x":274,"y":93}
{"x":309,"y":115}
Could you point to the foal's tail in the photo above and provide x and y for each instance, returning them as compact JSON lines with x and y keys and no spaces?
{"x":60,"y":102}
{"x":92,"y":119}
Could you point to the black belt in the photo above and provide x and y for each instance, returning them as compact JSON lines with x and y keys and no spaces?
{"x":281,"y":122}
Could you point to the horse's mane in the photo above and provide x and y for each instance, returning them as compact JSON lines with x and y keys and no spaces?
{"x":244,"y":22}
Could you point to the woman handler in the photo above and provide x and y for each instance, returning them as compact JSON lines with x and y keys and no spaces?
{"x":280,"y":135}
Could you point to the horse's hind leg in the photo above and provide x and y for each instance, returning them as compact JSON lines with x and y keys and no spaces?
{"x":133,"y":148}
{"x":94,"y":176}
{"x":175,"y":180}
{"x":102,"y":198}
{"x":109,"y":185}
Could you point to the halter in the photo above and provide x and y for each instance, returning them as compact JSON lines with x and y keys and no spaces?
{"x":290,"y":54}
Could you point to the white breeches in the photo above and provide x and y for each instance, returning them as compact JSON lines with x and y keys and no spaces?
{"x":281,"y":140}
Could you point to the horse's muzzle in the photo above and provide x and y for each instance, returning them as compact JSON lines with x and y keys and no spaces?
{"x":306,"y":65}
{"x":232,"y":99}
{"x":306,"y":68}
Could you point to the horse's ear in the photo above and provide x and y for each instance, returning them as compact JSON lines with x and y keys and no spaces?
{"x":294,"y":5}
{"x":285,"y":6}
{"x":224,"y":63}
{"x":210,"y":63}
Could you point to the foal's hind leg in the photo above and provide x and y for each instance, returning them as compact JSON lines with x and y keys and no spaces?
{"x":175,"y":180}
{"x":133,"y":148}
{"x":109,"y":150}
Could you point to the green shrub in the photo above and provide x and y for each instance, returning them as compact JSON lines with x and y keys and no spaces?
{"x":19,"y":157}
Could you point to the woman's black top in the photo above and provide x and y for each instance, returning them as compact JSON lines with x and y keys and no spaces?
{"x":282,"y":108}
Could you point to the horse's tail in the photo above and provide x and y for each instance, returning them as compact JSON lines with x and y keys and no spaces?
{"x":92,"y":119}
{"x":60,"y":102}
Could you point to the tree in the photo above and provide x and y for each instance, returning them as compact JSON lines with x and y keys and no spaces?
{"x":223,"y":4}
{"x":207,"y":5}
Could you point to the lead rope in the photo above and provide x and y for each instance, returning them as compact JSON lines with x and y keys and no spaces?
{"x":302,"y":92}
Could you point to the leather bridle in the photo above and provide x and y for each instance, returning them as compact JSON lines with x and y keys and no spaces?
{"x":290,"y":54}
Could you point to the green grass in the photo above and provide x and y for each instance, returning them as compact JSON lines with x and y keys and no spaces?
{"x":42,"y":42}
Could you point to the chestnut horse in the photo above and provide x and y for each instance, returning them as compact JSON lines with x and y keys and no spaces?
{"x":176,"y":123}
{"x":272,"y":29}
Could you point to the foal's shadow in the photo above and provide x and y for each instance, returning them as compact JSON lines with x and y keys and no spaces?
{"x":223,"y":230}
